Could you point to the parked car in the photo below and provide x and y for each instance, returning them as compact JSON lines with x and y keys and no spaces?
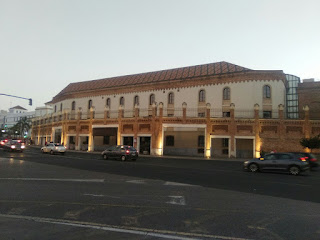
{"x":288,"y":162}
{"x":122,"y":152}
{"x":53,"y":148}
{"x":311,"y":159}
{"x":14,"y":145}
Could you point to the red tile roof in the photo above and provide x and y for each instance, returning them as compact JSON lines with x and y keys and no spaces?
{"x":157,"y":76}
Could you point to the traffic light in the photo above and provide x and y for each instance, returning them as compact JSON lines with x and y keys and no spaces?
{"x":30,"y":101}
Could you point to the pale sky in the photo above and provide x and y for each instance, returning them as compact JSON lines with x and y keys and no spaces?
{"x":47,"y":44}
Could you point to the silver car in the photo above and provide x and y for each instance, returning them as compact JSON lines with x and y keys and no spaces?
{"x":53,"y":148}
{"x":287,"y":162}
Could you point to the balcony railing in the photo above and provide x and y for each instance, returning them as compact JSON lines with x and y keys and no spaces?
{"x":200,"y":112}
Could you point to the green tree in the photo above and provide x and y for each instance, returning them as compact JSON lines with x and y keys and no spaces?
{"x":311,"y":143}
{"x":23,"y":125}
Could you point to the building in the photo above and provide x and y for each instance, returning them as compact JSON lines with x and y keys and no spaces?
{"x":10,"y":118}
{"x":309,"y":95}
{"x":15,"y":114}
{"x":218,"y":110}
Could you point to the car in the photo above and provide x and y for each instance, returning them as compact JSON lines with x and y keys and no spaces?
{"x":3,"y":142}
{"x":313,"y":161}
{"x":53,"y":148}
{"x":14,"y":145}
{"x":122,"y":152}
{"x":287,"y":162}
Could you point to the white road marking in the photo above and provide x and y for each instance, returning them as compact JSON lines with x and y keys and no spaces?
{"x":56,"y":179}
{"x":178,"y":184}
{"x":136,"y":181}
{"x":93,"y":195}
{"x":122,"y":229}
{"x":177,"y":200}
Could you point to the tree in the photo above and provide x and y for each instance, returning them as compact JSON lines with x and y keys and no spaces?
{"x":22,"y":126}
{"x":311,"y":143}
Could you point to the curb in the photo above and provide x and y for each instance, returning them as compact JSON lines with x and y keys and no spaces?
{"x":165,"y":156}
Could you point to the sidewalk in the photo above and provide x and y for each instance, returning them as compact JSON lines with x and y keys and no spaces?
{"x":163,"y":156}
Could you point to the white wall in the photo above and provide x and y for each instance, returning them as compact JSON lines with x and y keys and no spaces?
{"x":243,"y":94}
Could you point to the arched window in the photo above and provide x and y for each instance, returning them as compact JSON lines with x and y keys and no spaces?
{"x":73,"y":105}
{"x":226,"y":93}
{"x":108,"y":102}
{"x":266,"y":91}
{"x":60,"y":106}
{"x":171,"y":98}
{"x":136,"y":101}
{"x":152,"y":99}
{"x":89,"y":104}
{"x":202,"y":96}
{"x":122,"y":101}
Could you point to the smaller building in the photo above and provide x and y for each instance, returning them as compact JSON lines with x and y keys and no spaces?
{"x":308,"y":92}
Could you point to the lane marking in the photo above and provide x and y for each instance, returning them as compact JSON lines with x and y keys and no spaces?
{"x":122,"y":229}
{"x":179,"y":184}
{"x":93,"y":195}
{"x":177,"y":200}
{"x":136,"y":181}
{"x":293,"y":184}
{"x":56,"y":179}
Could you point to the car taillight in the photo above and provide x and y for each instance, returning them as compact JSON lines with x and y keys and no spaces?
{"x":313,"y":159}
{"x":303,"y":159}
{"x":127,"y":151}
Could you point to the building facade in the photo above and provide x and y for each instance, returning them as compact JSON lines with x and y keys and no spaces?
{"x":218,"y":110}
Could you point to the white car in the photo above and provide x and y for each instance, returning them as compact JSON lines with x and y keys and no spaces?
{"x":53,"y":148}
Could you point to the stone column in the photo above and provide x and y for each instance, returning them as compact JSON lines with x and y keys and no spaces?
{"x":257,"y":150}
{"x":135,"y":126}
{"x":207,"y":149}
{"x":91,"y":140}
{"x":232,"y":131}
{"x":120,"y":116}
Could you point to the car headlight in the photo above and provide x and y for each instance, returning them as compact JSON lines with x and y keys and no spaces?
{"x":246,"y":162}
{"x":22,"y":146}
{"x":13,"y":146}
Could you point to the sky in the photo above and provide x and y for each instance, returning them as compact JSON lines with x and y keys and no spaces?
{"x":47,"y":44}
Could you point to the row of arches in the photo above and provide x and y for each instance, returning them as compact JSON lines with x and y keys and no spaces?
{"x":226,"y":95}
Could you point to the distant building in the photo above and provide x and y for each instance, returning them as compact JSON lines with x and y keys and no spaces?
{"x":309,"y":95}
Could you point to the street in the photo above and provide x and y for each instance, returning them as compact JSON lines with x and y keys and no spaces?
{"x":81,"y":196}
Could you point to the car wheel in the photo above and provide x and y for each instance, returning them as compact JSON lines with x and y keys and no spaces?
{"x":133,"y":159}
{"x":51,"y":152}
{"x":42,"y":151}
{"x":294,"y":170}
{"x":62,"y":153}
{"x":123,"y":158}
{"x":105,"y":157}
{"x":253,"y":167}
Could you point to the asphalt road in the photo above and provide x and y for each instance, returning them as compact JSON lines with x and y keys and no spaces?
{"x":81,"y":196}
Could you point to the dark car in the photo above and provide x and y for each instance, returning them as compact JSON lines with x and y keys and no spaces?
{"x":287,"y":162}
{"x":122,"y":152}
{"x":14,"y":145}
{"x":311,"y":159}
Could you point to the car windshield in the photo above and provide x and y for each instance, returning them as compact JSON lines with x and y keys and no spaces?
{"x":57,"y":144}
